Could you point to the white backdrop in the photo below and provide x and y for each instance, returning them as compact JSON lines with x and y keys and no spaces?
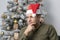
{"x":53,"y":16}
{"x":53,"y":9}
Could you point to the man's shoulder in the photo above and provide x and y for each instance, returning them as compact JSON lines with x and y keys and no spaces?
{"x":47,"y":26}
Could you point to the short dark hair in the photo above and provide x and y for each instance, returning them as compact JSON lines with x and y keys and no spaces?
{"x":38,"y":15}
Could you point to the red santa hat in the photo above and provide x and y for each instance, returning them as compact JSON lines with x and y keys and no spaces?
{"x":34,"y":9}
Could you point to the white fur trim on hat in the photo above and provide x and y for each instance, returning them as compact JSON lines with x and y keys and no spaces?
{"x":30,"y":12}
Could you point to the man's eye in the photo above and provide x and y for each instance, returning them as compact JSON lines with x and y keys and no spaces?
{"x":31,"y":17}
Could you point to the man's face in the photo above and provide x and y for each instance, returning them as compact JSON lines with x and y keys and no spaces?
{"x":31,"y":19}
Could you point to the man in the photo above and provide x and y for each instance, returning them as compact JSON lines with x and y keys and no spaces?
{"x":36,"y":30}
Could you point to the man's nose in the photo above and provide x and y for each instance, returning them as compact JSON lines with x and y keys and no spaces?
{"x":29,"y":19}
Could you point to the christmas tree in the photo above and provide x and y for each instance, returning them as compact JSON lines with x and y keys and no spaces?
{"x":14,"y":19}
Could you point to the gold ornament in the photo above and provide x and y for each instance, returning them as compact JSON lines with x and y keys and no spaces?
{"x":16,"y":36}
{"x":1,"y":33}
{"x":15,"y":26}
{"x":8,"y":28}
{"x":15,"y":21}
{"x":4,"y":16}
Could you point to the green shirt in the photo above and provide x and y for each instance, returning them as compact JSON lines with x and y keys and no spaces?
{"x":44,"y":32}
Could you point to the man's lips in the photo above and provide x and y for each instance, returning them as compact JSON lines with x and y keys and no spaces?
{"x":30,"y":22}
